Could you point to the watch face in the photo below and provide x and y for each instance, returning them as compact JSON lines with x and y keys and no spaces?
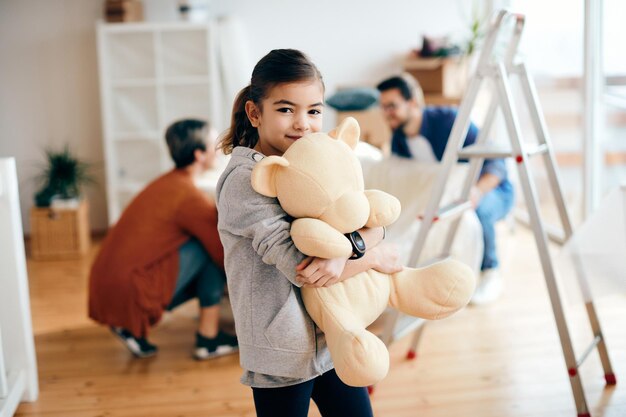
{"x":358,"y":241}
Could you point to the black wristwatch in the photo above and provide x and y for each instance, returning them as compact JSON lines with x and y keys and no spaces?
{"x":358,"y":244}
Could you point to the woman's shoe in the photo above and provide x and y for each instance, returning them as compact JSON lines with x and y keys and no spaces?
{"x":140,"y":347}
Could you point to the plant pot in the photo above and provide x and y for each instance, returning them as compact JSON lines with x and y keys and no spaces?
{"x":60,"y":233}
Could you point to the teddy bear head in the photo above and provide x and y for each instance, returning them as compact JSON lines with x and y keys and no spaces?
{"x":319,"y":177}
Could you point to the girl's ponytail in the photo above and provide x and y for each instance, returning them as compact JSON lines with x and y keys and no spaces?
{"x":241,"y":131}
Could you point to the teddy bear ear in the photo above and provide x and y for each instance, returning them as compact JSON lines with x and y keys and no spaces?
{"x":348,"y":131}
{"x":264,"y":175}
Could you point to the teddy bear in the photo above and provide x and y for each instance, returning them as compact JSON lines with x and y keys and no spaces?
{"x":319,"y":182}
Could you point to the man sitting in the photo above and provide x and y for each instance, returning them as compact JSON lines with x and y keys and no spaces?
{"x":421,"y":133}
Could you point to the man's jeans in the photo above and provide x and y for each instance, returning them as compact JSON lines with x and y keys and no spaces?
{"x":494,"y":206}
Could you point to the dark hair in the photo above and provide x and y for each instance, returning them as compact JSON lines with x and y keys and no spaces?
{"x":183,"y":138}
{"x":408,"y":86}
{"x":277,"y":67}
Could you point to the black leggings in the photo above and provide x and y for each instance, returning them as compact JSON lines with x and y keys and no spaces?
{"x":332,"y":397}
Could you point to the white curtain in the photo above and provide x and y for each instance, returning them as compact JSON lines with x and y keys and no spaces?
{"x":233,"y":65}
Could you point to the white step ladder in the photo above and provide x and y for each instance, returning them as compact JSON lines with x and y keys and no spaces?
{"x":498,"y":69}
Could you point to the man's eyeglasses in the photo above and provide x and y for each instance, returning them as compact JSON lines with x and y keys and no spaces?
{"x":389,"y":107}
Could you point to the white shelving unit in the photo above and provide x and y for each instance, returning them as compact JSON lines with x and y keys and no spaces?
{"x":151,"y":74}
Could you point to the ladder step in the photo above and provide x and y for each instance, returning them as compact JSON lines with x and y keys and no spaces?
{"x":450,"y":211}
{"x":555,"y":234}
{"x":589,"y":349}
{"x":405,"y":325}
{"x":493,"y":151}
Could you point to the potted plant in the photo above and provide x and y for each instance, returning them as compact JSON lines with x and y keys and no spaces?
{"x":60,"y":220}
{"x":62,"y":178}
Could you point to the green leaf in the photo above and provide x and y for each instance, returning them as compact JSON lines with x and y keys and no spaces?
{"x":63,"y":175}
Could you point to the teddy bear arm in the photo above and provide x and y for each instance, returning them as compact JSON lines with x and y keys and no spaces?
{"x":314,"y":237}
{"x":384,"y":208}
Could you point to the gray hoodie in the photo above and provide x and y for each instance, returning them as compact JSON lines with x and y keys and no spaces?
{"x":276,"y":335}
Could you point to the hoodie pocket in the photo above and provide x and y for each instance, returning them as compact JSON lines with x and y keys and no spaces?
{"x":291,"y":329}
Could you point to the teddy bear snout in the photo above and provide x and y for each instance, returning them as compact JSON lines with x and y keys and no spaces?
{"x":348,"y":213}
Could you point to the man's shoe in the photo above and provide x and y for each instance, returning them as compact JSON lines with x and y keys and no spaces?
{"x":222,"y":344}
{"x":489,"y":288}
{"x":140,"y":347}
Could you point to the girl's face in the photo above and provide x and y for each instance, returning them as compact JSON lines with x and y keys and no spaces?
{"x":290,"y":111}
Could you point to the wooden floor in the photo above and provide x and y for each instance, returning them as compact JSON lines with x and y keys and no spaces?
{"x":500,"y":360}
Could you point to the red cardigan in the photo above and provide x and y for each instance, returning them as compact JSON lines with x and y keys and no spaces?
{"x":133,"y":278}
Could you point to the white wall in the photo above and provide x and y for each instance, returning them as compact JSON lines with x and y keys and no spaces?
{"x":49,"y":89}
{"x":351,"y":41}
{"x":48,"y":66}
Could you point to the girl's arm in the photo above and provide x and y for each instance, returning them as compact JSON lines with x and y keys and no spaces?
{"x":245,"y":213}
{"x":319,"y":272}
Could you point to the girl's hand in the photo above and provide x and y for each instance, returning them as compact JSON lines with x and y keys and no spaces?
{"x":318,"y":272}
{"x":385,"y":258}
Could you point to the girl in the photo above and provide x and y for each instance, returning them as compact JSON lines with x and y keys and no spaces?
{"x":285,"y":361}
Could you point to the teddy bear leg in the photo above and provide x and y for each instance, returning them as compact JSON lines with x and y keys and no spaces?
{"x":433,"y":292}
{"x":360,"y":357}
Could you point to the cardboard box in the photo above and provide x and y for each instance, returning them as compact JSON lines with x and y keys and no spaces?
{"x":58,"y":234}
{"x":123,"y":11}
{"x":374,"y":128}
{"x":445,"y":77}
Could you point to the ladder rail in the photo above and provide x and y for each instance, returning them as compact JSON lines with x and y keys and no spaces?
{"x":490,"y":40}
{"x":541,"y":239}
{"x":464,"y":114}
{"x":593,"y":320}
{"x":457,"y":138}
{"x":474,"y":172}
{"x":387,"y":335}
{"x":500,"y":71}
{"x":458,"y":134}
{"x":509,"y":60}
{"x":455,"y":142}
{"x":539,"y":125}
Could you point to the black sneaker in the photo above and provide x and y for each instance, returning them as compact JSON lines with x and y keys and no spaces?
{"x":140,"y":347}
{"x":222,"y":344}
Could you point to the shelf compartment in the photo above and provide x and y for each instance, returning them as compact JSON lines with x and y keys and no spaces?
{"x":184,"y":53}
{"x":131,"y":56}
{"x":138,"y":162}
{"x":135,"y":109}
{"x":187,"y":80}
{"x":145,"y":136}
{"x":134,"y":82}
{"x":186,"y":101}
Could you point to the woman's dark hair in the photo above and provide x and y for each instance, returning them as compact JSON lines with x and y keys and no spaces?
{"x":183,"y":138}
{"x":277,"y":67}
